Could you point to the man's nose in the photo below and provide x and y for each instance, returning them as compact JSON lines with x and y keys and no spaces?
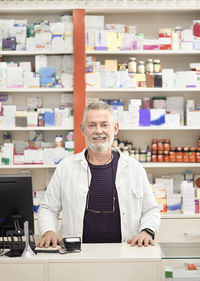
{"x":98,"y":129}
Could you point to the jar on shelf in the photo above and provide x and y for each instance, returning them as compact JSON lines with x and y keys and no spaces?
{"x":156,"y":66}
{"x":154,"y":156}
{"x":192,"y":154}
{"x":172,"y":154}
{"x":132,"y":65}
{"x":167,"y":144}
{"x":166,"y":156}
{"x":179,"y":154}
{"x":154,"y":145}
{"x":149,"y":66}
{"x":185,"y":154}
{"x":160,"y":156}
{"x":141,"y":67}
{"x":161,"y":144}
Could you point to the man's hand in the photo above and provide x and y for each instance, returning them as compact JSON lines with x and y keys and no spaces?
{"x":143,"y":238}
{"x":50,"y":238}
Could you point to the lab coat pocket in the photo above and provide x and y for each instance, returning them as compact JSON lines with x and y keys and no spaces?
{"x":137,"y":196}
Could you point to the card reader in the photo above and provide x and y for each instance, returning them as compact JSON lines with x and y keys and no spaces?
{"x":70,"y":244}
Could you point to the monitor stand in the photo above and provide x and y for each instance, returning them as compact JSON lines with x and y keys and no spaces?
{"x":15,"y":239}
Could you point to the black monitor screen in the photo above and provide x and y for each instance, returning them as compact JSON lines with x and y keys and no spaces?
{"x":16,"y":199}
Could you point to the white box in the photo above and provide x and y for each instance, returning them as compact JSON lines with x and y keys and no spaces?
{"x":193,"y":118}
{"x":32,"y":118}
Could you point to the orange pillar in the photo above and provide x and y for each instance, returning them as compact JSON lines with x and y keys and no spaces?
{"x":79,"y":75}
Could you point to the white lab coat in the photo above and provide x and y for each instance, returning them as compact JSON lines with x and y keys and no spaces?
{"x":68,"y":189}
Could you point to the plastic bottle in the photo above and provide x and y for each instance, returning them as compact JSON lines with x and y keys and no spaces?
{"x":149,"y":66}
{"x":59,"y":141}
{"x":141,"y":67}
{"x":156,"y":66}
{"x":69,"y":142}
{"x":132,"y":65}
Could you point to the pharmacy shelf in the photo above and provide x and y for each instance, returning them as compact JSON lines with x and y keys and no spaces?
{"x":33,"y":53}
{"x":143,"y":90}
{"x":26,"y":166}
{"x":179,"y":216}
{"x":37,"y":128}
{"x":95,"y":10}
{"x":144,"y":52}
{"x":143,"y":9}
{"x":170,"y":165}
{"x":157,"y":128}
{"x":34,"y":10}
{"x":35,"y":90}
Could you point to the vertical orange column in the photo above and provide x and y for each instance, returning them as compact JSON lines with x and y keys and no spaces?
{"x":79,"y":75}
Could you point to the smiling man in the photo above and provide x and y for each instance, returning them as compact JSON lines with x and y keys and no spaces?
{"x":104,"y":195}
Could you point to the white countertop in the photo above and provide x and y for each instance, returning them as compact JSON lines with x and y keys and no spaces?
{"x":96,"y":253}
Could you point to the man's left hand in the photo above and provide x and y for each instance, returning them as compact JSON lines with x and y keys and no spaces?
{"x":142,"y":238}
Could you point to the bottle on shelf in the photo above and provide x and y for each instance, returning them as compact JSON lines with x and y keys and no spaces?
{"x":149,"y":66}
{"x":132,"y":65}
{"x":59,"y":140}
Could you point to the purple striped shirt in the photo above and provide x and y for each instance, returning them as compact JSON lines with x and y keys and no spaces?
{"x":102,"y":227}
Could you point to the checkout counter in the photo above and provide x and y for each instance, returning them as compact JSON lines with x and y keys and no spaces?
{"x":95,"y":262}
{"x":107,"y":262}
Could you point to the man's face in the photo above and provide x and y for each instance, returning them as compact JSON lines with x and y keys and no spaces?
{"x":99,"y":130}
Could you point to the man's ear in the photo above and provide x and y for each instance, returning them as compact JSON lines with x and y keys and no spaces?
{"x":116,"y":128}
{"x":82,"y":129}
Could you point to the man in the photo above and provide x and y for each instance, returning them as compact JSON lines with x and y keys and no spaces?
{"x":104,"y":195}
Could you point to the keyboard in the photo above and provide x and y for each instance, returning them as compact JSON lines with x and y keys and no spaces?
{"x":8,"y":244}
{"x":47,"y":250}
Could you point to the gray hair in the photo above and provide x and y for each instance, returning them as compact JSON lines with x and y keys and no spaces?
{"x":98,"y":105}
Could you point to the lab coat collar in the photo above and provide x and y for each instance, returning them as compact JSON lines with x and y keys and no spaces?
{"x":123,"y":159}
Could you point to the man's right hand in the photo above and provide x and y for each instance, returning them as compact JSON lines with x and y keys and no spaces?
{"x":49,"y":238}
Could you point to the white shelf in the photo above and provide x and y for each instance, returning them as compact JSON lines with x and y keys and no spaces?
{"x":35,"y":10}
{"x":179,"y":216}
{"x":35,"y":90}
{"x":151,"y":128}
{"x":95,"y":10}
{"x":143,"y":90}
{"x":37,"y":128}
{"x":135,"y":9}
{"x":35,"y":166}
{"x":170,"y":165}
{"x":33,"y":53}
{"x":144,"y":52}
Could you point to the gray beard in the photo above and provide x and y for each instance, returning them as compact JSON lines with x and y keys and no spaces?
{"x":100,"y":147}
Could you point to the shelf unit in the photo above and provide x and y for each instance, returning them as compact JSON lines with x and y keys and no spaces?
{"x":148,"y":20}
{"x":50,"y":95}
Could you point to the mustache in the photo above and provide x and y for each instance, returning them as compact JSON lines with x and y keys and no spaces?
{"x":96,"y":136}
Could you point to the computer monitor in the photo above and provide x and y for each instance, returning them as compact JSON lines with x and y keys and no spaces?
{"x":16,"y":202}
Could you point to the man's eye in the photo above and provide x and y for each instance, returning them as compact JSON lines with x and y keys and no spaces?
{"x":104,"y":126}
{"x":91,"y":126}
